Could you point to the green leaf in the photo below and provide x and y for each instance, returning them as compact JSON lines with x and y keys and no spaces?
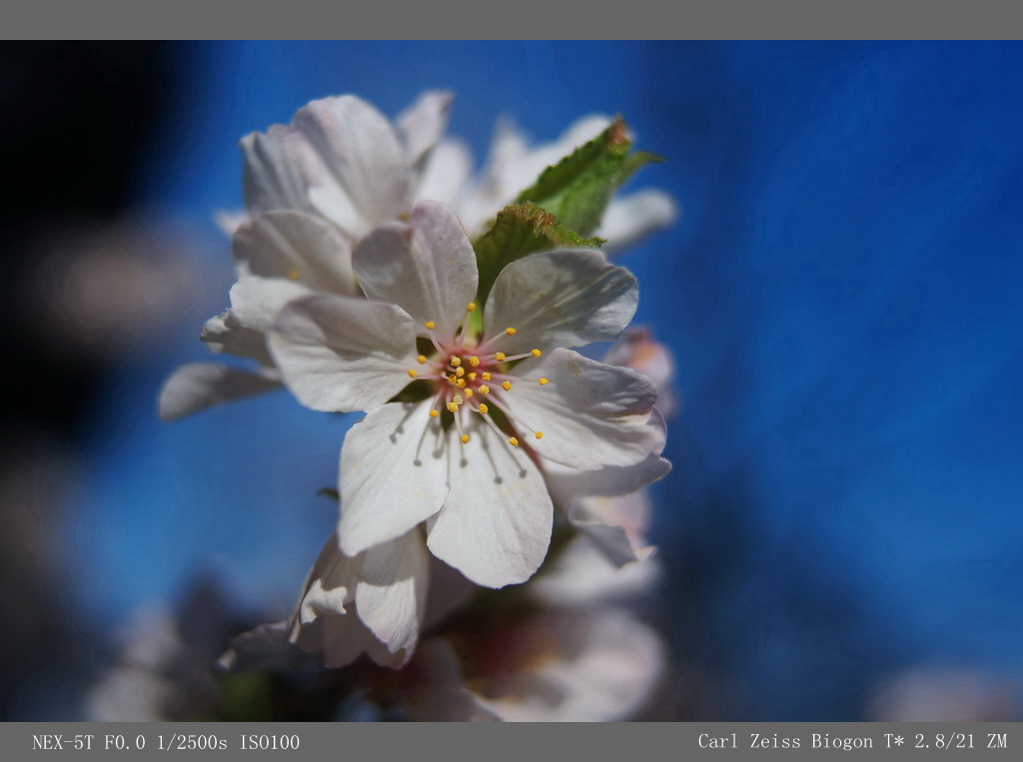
{"x":518,"y":231}
{"x":579,"y":187}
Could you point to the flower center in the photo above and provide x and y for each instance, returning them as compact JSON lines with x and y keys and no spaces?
{"x":475,"y":379}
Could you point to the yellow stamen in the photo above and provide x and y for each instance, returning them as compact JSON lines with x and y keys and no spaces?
{"x":469,"y":393}
{"x":484,"y":408}
{"x":510,"y":331}
{"x":470,"y":307}
{"x":294,"y":274}
{"x":460,"y":383}
{"x":459,"y":372}
{"x":452,"y":407}
{"x":486,"y":376}
{"x":452,"y":378}
{"x":465,"y":439}
{"x":430,"y":325}
{"x":474,"y":361}
{"x":535,"y":352}
{"x":539,"y":435}
{"x":456,"y":361}
{"x":513,"y":442}
{"x":484,"y":389}
{"x":506,"y":386}
{"x":499,"y":356}
{"x":434,"y":413}
{"x":472,"y":376}
{"x":412,"y":373}
{"x":544,"y":382}
{"x":421,"y":359}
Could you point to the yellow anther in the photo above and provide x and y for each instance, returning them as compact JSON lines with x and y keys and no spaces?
{"x":456,"y":361}
{"x":459,"y":372}
{"x":434,"y":413}
{"x":474,"y":361}
{"x":539,"y":435}
{"x":471,"y":376}
{"x":499,"y":356}
{"x":510,"y":331}
{"x":469,"y":393}
{"x":465,"y":439}
{"x":544,"y":382}
{"x":457,"y":399}
{"x":421,"y":359}
{"x":294,"y":273}
{"x":460,"y":383}
{"x":452,"y":378}
{"x":506,"y":386}
{"x":430,"y":325}
{"x":513,"y":442}
{"x":484,"y":389}
{"x":470,"y":307}
{"x":452,"y":407}
{"x":412,"y":373}
{"x":483,"y":408}
{"x":535,"y":352}
{"x":486,"y":375}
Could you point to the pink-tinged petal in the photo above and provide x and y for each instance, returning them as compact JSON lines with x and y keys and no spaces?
{"x":638,"y":350}
{"x":340,"y":354}
{"x":422,"y":124}
{"x":298,"y":247}
{"x":255,"y":304}
{"x":610,"y":481}
{"x":630,"y":218}
{"x":495,"y":526}
{"x":391,"y":591}
{"x":591,"y":415}
{"x":564,"y":298}
{"x":393,"y":475}
{"x":427,"y":267}
{"x":197,"y":386}
{"x":368,"y":173}
{"x":578,"y":665}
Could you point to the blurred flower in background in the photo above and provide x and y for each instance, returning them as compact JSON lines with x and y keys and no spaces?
{"x":840,"y":296}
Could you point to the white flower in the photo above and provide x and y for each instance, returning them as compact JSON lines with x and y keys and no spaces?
{"x":313,"y":188}
{"x":513,"y":165}
{"x":494,"y":406}
{"x":372,"y":603}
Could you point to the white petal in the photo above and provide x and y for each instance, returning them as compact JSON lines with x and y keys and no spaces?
{"x":279,"y":166}
{"x":495,"y":526}
{"x":368,"y":176}
{"x":329,"y":586}
{"x":295,"y":246}
{"x":583,"y":575}
{"x":255,"y":304}
{"x":427,"y":267}
{"x":445,"y":175}
{"x":591,"y":414}
{"x":610,"y":481}
{"x":564,"y":298}
{"x":422,"y":124}
{"x":391,"y":592}
{"x":632,"y":217}
{"x":340,"y":354}
{"x":589,"y":666}
{"x":200,"y":385}
{"x":609,"y":523}
{"x":393,"y":475}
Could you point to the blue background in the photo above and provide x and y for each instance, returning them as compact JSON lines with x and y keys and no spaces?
{"x":841,"y":293}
